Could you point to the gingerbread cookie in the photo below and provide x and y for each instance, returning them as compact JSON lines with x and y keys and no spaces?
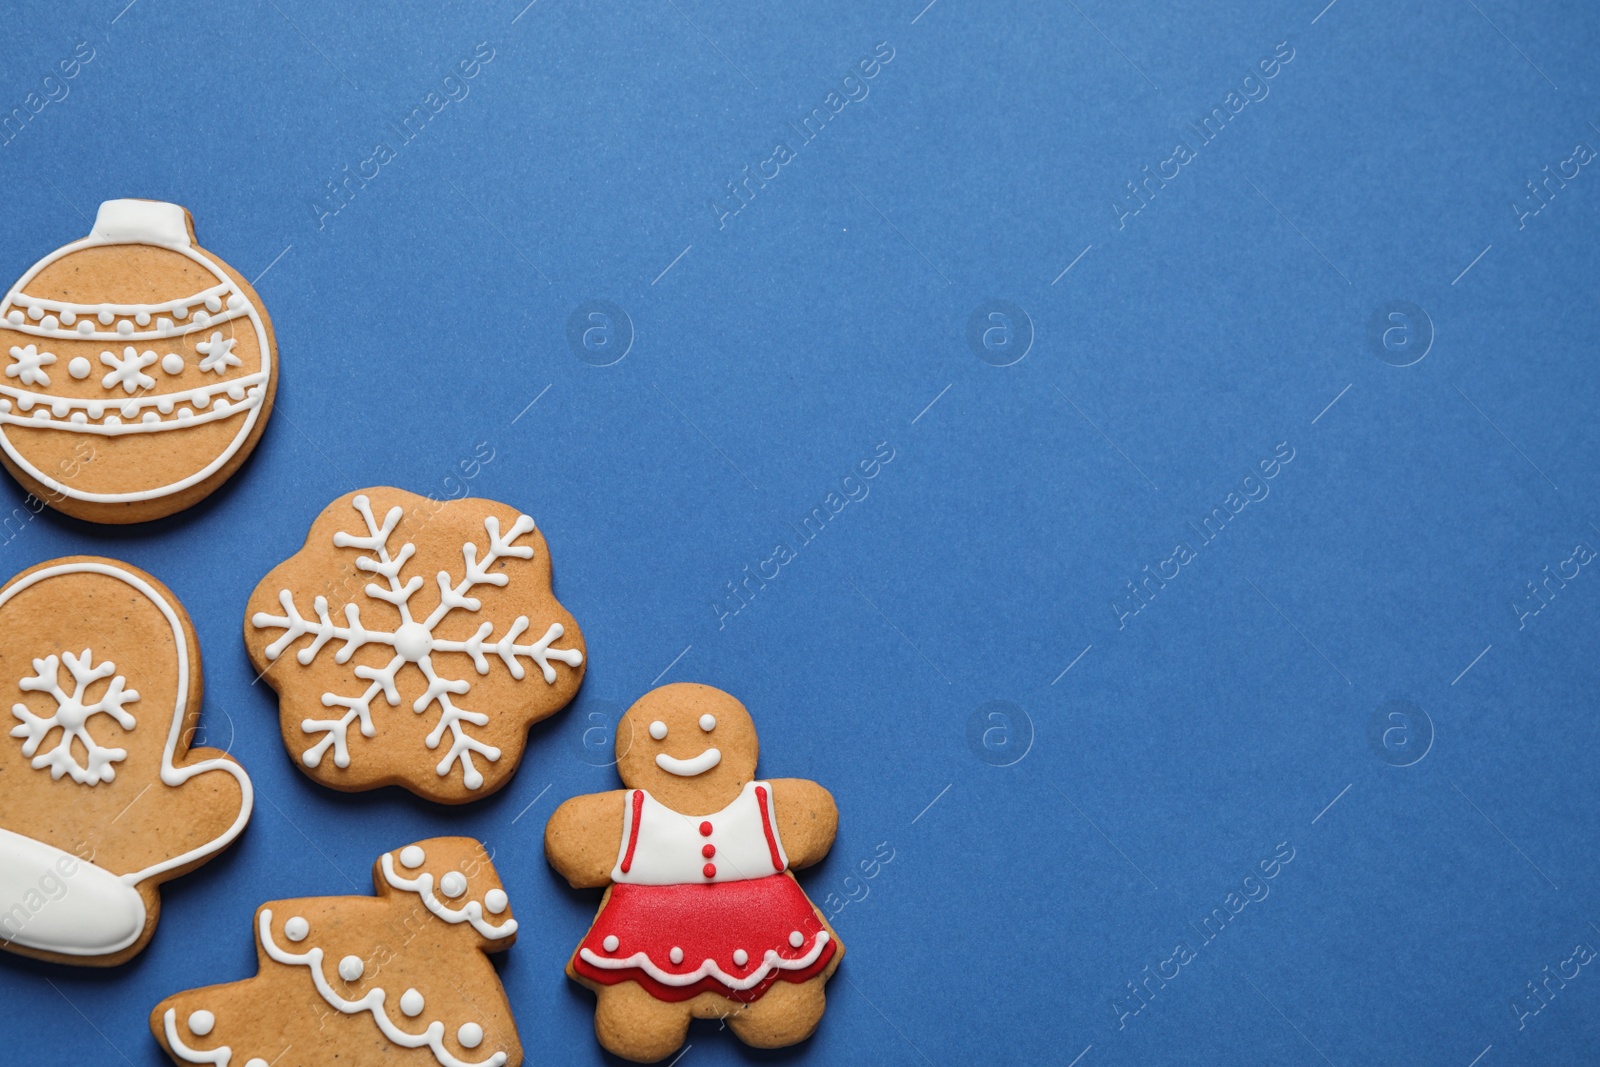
{"x":400,"y":978}
{"x":141,"y":369}
{"x":432,"y":685}
{"x":702,"y":918}
{"x":101,"y":797}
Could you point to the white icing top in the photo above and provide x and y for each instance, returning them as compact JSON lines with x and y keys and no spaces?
{"x":669,"y":848}
{"x":141,"y":222}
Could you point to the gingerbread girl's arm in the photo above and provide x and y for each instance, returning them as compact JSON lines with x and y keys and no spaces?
{"x":807,"y":819}
{"x":582,"y":838}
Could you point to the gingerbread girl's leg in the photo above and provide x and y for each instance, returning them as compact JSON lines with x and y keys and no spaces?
{"x":786,"y":1014}
{"x":636,"y":1026}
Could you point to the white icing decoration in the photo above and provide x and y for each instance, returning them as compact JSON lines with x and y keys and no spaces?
{"x":432,"y":1037}
{"x":172,"y":363}
{"x":611,"y":943}
{"x":201,"y":1022}
{"x":136,"y":222}
{"x":667,"y":844}
{"x":658,"y":730}
{"x":470,"y":1035}
{"x":218,"y":1057}
{"x":171,"y":774}
{"x":770,"y":962}
{"x":79,"y":367}
{"x":200,"y":396}
{"x":708,"y":723}
{"x":296,"y":928}
{"x":495,"y":901}
{"x":72,"y":717}
{"x":740,"y":957}
{"x":796,"y":939}
{"x":413,"y":641}
{"x":124,"y":328}
{"x":411,"y":1003}
{"x":351,"y":968}
{"x":688,"y":768}
{"x":412,"y":856}
{"x":29,"y":365}
{"x":100,"y":914}
{"x":218,"y":353}
{"x":470,"y":912}
{"x":453,"y":884}
{"x":128,"y":370}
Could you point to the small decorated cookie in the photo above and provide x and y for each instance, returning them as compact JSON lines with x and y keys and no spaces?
{"x":702,"y":918}
{"x":101,"y":797}
{"x":139,"y":369}
{"x":413,"y":642}
{"x":402,"y":978}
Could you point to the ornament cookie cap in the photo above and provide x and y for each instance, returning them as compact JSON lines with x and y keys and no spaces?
{"x":140,"y":369}
{"x":104,"y":798}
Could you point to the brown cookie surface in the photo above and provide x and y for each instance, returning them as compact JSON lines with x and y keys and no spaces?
{"x":413,"y":642}
{"x":101,"y":796}
{"x":399,"y":978}
{"x":702,"y":917}
{"x":140,"y":369}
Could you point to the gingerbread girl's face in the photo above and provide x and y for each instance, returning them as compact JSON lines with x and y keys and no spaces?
{"x":690,"y":746}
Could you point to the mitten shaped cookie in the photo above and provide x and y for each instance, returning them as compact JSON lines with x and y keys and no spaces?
{"x":702,"y":918}
{"x":102,"y":798}
{"x":397,"y":979}
{"x":386,"y":677}
{"x":141,"y":369}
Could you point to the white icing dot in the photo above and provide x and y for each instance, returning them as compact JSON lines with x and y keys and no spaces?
{"x":149,"y":417}
{"x":296,"y":929}
{"x":235,"y":302}
{"x":51,"y":322}
{"x":611,"y":942}
{"x":14,"y":318}
{"x":796,"y":939}
{"x":42,"y":415}
{"x":79,"y":368}
{"x":213,"y":304}
{"x":180,"y":313}
{"x":495,"y":901}
{"x":411,"y":1003}
{"x":35,"y":312}
{"x":124,"y":328}
{"x":69,"y":317}
{"x":96,"y":410}
{"x":79,"y":418}
{"x":223,"y":407}
{"x":142,"y":318}
{"x":172,"y":363}
{"x":112,"y":420}
{"x":256,"y":1061}
{"x":470,"y":1035}
{"x":708,"y":723}
{"x":165,"y":404}
{"x":130,"y":409}
{"x":163,"y":324}
{"x":25,"y":402}
{"x":412,"y":855}
{"x":185,"y":414}
{"x":201,"y":1022}
{"x":60,"y":408}
{"x":202,"y":319}
{"x":351,"y":968}
{"x":85,"y":327}
{"x":658,"y":730}
{"x":453,"y":884}
{"x":5,"y":405}
{"x":202,"y":400}
{"x":740,"y":957}
{"x":676,"y":955}
{"x":236,"y":392}
{"x":105,"y":316}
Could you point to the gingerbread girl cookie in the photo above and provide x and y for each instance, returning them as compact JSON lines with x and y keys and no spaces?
{"x":101,"y":797}
{"x":397,"y":979}
{"x":430,"y":685}
{"x":702,"y":918}
{"x":141,"y":369}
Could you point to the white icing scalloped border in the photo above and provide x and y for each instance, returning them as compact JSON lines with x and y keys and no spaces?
{"x":471,"y":911}
{"x":709,"y":969}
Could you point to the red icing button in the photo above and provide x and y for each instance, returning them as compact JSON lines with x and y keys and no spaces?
{"x":705,"y":829}
{"x":709,"y":851}
{"x":709,"y":870}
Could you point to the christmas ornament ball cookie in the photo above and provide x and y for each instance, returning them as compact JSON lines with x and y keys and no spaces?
{"x":140,"y":369}
{"x":413,"y":642}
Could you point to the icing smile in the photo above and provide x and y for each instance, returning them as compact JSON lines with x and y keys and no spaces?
{"x":688,"y":768}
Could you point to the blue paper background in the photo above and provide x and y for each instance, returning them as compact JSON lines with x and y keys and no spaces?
{"x":785,"y":342}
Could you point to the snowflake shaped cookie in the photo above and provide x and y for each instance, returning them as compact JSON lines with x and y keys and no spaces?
{"x":72,"y":716}
{"x":30,"y":364}
{"x":478,"y":656}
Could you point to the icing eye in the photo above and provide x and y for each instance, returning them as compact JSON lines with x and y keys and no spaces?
{"x":453,"y":884}
{"x":296,"y":929}
{"x":411,"y":1003}
{"x":201,"y":1022}
{"x":470,"y":1035}
{"x":708,"y":723}
{"x":351,"y":968}
{"x":412,"y":856}
{"x":495,"y":901}
{"x":658,"y":730}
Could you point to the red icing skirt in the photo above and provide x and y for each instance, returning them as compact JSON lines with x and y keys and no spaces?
{"x":714,"y":927}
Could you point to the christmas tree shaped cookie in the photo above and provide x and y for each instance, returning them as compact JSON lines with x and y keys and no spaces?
{"x":701,"y":918}
{"x":413,"y":642}
{"x":398,"y":979}
{"x":101,"y":796}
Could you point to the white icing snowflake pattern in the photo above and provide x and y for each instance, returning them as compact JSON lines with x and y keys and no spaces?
{"x":128,"y":371}
{"x":72,"y":716}
{"x":218,"y":353}
{"x":413,"y":641}
{"x":30,"y":364}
